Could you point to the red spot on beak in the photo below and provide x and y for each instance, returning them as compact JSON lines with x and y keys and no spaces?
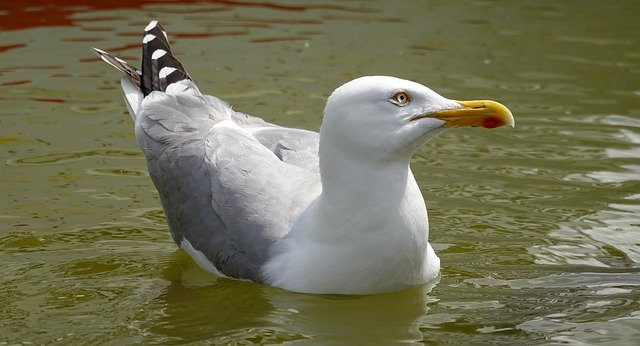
{"x":492,"y":122}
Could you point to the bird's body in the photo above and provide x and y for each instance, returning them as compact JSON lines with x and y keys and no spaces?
{"x":334,"y":212}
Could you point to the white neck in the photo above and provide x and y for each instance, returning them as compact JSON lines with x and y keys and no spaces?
{"x":366,"y":232}
{"x":356,"y":187}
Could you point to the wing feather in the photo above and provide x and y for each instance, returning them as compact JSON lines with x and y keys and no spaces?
{"x":230,"y":184}
{"x":224,"y":191}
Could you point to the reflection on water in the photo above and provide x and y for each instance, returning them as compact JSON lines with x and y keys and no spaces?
{"x":65,"y":157}
{"x":537,"y":227}
{"x":608,"y":238}
{"x":591,"y":239}
{"x":587,"y":308}
{"x":245,"y":312}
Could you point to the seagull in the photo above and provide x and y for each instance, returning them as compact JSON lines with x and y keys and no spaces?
{"x":334,"y":212}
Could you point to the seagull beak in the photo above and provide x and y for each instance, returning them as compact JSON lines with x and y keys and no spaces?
{"x":483,"y":113}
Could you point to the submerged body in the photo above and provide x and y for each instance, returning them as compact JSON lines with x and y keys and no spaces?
{"x":334,"y":212}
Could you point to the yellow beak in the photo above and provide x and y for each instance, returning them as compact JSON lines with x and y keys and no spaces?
{"x":483,"y":113}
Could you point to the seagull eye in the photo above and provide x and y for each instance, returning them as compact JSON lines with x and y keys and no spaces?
{"x":400,"y":98}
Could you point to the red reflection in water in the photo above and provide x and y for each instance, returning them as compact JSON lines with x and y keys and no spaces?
{"x":11,"y":46}
{"x":51,"y":100}
{"x":16,"y":82}
{"x":39,"y":13}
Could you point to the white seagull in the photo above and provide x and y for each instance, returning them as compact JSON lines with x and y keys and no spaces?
{"x":332,"y":212}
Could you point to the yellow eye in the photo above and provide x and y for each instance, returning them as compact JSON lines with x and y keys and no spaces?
{"x":400,"y":98}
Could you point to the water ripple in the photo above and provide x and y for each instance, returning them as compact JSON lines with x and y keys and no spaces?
{"x":49,"y":159}
{"x":117,"y":172}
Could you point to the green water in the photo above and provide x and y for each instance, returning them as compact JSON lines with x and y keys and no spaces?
{"x":537,"y":227}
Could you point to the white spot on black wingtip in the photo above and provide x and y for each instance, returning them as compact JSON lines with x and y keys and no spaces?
{"x":151,"y":25}
{"x":99,"y":51}
{"x":159,"y":53}
{"x":148,"y":37}
{"x":105,"y":57}
{"x":165,"y":71}
{"x":120,"y":64}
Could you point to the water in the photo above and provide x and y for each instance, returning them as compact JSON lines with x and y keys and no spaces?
{"x":538,"y":227}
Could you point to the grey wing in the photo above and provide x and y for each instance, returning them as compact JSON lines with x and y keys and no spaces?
{"x":222,"y":190}
{"x":294,"y":146}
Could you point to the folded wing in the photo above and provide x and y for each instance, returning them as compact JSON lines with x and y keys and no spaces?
{"x":230,"y":184}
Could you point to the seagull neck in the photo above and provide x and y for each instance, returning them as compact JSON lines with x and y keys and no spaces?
{"x":352,"y":180}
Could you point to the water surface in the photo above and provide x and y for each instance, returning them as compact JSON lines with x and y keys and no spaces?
{"x":538,"y":227}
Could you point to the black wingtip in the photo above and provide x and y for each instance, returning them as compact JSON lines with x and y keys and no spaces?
{"x":159,"y":67}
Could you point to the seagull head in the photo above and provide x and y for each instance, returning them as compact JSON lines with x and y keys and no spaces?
{"x":386,"y":118}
